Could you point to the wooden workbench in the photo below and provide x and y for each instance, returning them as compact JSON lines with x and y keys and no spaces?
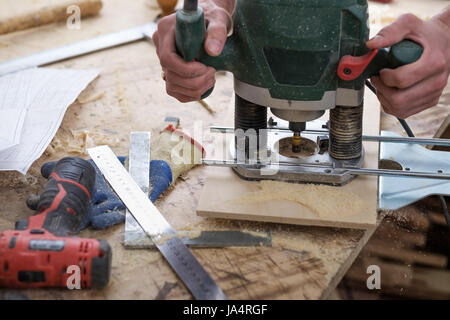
{"x":129,"y":95}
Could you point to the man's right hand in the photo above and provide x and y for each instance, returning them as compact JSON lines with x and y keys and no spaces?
{"x":187,"y":81}
{"x":415,"y":87}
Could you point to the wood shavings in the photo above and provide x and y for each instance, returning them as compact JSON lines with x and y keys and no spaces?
{"x":120,"y":89}
{"x":325,"y":201}
{"x":206,"y":106}
{"x":76,"y":142}
{"x":65,"y":141}
{"x":15,"y":179}
{"x":325,"y":251}
{"x":91,"y":98}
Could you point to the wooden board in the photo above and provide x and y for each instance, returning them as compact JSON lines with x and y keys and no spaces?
{"x":224,"y":189}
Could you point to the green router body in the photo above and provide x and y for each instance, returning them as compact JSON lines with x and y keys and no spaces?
{"x":286,"y":55}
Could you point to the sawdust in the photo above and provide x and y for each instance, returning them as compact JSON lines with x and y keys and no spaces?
{"x":325,"y":201}
{"x":13,"y":179}
{"x":97,"y":96}
{"x":76,"y":142}
{"x":191,"y":234}
{"x":323,"y":247}
{"x":120,"y":90}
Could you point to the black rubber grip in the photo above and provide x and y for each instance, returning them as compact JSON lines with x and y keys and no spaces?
{"x":74,"y":178}
{"x":101,"y":266}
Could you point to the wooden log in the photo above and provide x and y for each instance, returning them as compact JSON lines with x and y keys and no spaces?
{"x":392,"y":274}
{"x":48,"y":14}
{"x":400,"y":280}
{"x":410,"y":217}
{"x":390,"y":231}
{"x":437,"y":218}
{"x":385,"y":250}
{"x":433,"y":205}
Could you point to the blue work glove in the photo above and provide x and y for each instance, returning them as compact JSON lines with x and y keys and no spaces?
{"x":105,"y":206}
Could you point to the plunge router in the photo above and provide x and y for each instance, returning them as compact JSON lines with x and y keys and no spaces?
{"x":299,"y":58}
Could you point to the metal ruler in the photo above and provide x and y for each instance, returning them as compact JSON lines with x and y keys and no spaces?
{"x":180,"y":258}
{"x":79,"y":48}
{"x":139,"y":169}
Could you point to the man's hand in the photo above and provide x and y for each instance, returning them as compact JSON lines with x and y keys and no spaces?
{"x":187,"y":81}
{"x":415,"y":87}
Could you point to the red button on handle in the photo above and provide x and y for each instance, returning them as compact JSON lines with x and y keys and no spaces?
{"x":351,"y":67}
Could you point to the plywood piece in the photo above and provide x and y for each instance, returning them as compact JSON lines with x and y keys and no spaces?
{"x":223,"y":191}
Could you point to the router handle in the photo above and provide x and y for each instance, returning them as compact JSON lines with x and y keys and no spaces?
{"x":190,"y":33}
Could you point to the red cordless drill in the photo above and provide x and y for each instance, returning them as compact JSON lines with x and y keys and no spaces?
{"x":41,"y":249}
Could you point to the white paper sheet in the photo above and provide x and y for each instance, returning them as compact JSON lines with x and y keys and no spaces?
{"x":11,"y":127}
{"x":32,"y":105}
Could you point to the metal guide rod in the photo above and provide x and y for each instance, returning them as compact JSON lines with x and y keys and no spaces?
{"x":76,"y":49}
{"x":355,"y":171}
{"x":408,"y":140}
{"x":180,"y":258}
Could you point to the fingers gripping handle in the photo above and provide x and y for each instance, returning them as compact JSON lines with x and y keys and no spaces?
{"x":403,"y":53}
{"x":190,"y":33}
{"x":400,"y":54}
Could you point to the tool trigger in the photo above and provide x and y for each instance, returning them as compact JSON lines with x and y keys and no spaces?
{"x":351,"y":67}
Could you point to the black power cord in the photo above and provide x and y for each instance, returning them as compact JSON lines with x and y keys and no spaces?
{"x":411,"y":134}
